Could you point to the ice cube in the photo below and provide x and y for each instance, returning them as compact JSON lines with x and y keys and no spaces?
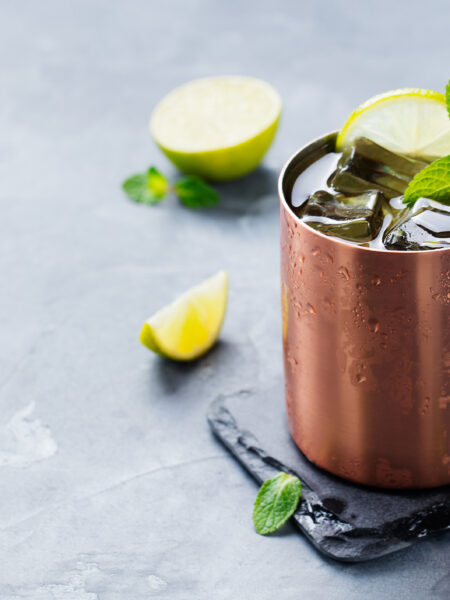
{"x":366,"y":165}
{"x":353,"y":218}
{"x":424,"y":227}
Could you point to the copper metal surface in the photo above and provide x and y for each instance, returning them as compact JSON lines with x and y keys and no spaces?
{"x":366,"y":351}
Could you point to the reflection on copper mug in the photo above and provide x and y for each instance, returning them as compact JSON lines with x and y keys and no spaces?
{"x":366,"y":351}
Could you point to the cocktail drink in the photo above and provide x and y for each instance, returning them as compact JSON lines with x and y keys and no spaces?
{"x":365,"y":284}
{"x":360,"y":201}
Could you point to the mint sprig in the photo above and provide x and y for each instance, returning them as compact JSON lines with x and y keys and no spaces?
{"x":193,"y":192}
{"x":152,"y":187}
{"x":432,"y":182}
{"x":276,"y":502}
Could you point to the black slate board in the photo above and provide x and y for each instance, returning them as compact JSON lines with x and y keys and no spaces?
{"x":342,"y":520}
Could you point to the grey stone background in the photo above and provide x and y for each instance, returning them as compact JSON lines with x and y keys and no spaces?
{"x":112,"y":486}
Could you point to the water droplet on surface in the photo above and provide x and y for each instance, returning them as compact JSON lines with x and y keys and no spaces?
{"x":292,"y":361}
{"x":357,"y":372}
{"x":374,"y":325}
{"x":343,"y":272}
{"x":376,"y":280}
{"x":315,"y":251}
{"x":426,"y":403}
{"x":311,"y":309}
{"x":444,"y":401}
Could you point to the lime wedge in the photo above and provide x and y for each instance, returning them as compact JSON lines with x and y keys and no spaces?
{"x":218,"y":127}
{"x":187,"y":328}
{"x":408,"y":121}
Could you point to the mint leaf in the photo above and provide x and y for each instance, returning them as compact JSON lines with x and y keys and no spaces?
{"x":193,"y":192}
{"x":146,"y":188}
{"x":157,"y":183}
{"x":447,"y":97}
{"x":135,"y":186}
{"x":276,"y":502}
{"x":432,"y":182}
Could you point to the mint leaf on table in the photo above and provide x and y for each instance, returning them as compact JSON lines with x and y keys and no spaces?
{"x":276,"y":502}
{"x":447,"y":97}
{"x":146,"y":188}
{"x":432,"y":182}
{"x":157,"y":183}
{"x":193,"y":192}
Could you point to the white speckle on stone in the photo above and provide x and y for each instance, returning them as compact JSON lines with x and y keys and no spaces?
{"x":25,"y":440}
{"x":156,"y":583}
{"x":71,"y":591}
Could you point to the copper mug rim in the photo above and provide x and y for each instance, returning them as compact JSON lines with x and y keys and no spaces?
{"x":306,"y":149}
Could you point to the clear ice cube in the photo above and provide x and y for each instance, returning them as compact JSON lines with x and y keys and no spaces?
{"x":367,"y":166}
{"x":353,"y":218}
{"x":424,"y":227}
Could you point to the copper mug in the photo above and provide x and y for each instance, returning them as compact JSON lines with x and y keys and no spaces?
{"x":366,"y":351}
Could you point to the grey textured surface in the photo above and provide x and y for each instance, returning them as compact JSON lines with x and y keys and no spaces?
{"x":112,"y":486}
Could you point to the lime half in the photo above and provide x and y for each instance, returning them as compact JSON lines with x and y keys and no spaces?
{"x":187,"y":328}
{"x":218,"y":127}
{"x":408,"y":121}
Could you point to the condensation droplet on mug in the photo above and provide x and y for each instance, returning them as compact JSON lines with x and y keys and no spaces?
{"x":311,"y":309}
{"x":374,"y":325}
{"x":425,"y":406}
{"x":376,"y":280}
{"x":315,"y":251}
{"x":357,"y":372}
{"x":343,"y":272}
{"x":444,"y":401}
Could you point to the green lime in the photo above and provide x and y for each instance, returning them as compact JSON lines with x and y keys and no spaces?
{"x":408,"y":121}
{"x":219,"y":127}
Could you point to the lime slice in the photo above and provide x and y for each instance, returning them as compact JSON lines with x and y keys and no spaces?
{"x":218,"y":127}
{"x":408,"y":121}
{"x":187,"y":328}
